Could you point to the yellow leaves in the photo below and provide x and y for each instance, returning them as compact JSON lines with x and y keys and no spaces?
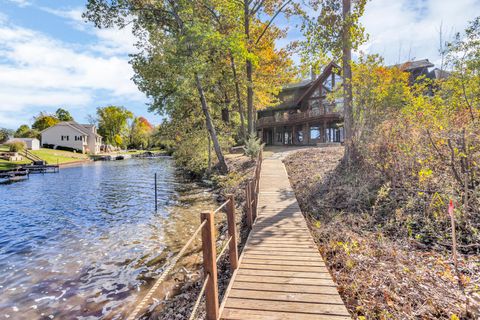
{"x":424,"y":174}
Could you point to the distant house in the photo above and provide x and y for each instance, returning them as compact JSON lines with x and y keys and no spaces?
{"x":420,"y":68}
{"x":30,"y":143}
{"x":72,"y":135}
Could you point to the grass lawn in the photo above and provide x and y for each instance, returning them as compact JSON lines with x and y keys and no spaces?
{"x":5,"y":164}
{"x":58,"y":156}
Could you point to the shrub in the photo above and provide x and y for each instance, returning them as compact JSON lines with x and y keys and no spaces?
{"x":16,"y":146}
{"x":68,"y":149}
{"x":253,"y":146}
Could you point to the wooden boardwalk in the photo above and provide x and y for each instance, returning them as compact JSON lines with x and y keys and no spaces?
{"x":281,"y":273}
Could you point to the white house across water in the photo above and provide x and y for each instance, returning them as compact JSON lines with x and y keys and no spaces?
{"x":70,"y":134}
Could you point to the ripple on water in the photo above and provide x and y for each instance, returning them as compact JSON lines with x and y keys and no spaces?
{"x":77,"y":244}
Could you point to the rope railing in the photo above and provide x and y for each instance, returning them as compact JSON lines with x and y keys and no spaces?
{"x":224,"y":249}
{"x":222,"y":206}
{"x":199,"y":299}
{"x":165,"y":273}
{"x":210,"y":257}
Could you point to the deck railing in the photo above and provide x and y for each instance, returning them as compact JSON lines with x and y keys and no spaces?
{"x":293,"y":117}
{"x":209,"y":250}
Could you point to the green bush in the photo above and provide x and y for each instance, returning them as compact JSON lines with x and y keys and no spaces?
{"x":16,"y":146}
{"x":253,"y":146}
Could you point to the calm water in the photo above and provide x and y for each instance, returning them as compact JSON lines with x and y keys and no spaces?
{"x":79,"y":244}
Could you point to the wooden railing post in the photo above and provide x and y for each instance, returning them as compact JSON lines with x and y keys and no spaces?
{"x":253,"y":199}
{"x":232,"y":232}
{"x":210,"y":266}
{"x":248,"y":202}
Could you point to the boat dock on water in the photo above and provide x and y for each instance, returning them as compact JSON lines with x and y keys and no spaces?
{"x":13,"y":175}
{"x":23,"y":172}
{"x":43,"y":168}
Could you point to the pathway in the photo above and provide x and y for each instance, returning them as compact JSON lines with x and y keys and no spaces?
{"x":281,"y":273}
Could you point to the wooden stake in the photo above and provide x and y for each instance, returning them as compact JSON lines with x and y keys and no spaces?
{"x":232,"y":232}
{"x":156,"y":195}
{"x":210,"y":266}
{"x":454,"y":236}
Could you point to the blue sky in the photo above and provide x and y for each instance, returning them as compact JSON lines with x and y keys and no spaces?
{"x":50,"y":58}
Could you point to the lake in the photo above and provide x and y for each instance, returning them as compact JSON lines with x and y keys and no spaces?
{"x":81,"y":243}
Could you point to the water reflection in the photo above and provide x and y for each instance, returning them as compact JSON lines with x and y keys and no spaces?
{"x":80,"y":244}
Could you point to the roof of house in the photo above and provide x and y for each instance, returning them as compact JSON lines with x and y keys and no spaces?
{"x":412,"y":65}
{"x":296,"y":85}
{"x":310,"y":84}
{"x":82,"y":128}
{"x":438,"y":74}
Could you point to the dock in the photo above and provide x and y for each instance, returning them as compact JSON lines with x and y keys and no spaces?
{"x":281,"y":274}
{"x":42,"y":168}
{"x":13,"y":175}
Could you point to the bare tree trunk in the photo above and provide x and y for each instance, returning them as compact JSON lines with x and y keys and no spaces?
{"x":347,"y":83}
{"x":239,"y":97}
{"x":249,"y":68}
{"x":211,"y":127}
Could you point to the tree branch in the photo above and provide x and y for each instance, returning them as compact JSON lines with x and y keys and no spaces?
{"x":271,"y":21}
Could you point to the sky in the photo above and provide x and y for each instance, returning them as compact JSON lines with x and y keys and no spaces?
{"x":51,"y":58}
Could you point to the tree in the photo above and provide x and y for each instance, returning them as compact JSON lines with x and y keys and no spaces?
{"x":113,"y":124}
{"x":5,"y":134}
{"x":44,"y":121}
{"x":379,"y":93}
{"x":140,"y":133}
{"x":254,"y":11}
{"x":63,"y":115}
{"x":24,"y":131}
{"x":336,"y":31}
{"x":184,"y":44}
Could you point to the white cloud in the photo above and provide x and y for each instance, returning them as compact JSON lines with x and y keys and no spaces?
{"x":38,"y":71}
{"x":407,"y":29}
{"x":21,"y":3}
{"x":111,"y":41}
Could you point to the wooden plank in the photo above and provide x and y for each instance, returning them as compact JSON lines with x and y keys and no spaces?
{"x":242,"y":314}
{"x":276,"y":287}
{"x":261,"y":266}
{"x":281,"y":248}
{"x":283,"y":306}
{"x":284,"y":262}
{"x":286,"y":296}
{"x":284,"y":280}
{"x":283,"y":257}
{"x":285,"y":274}
{"x":293,"y":254}
{"x":286,"y":241}
{"x":287,"y":246}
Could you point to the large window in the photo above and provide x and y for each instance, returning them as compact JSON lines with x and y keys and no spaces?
{"x":315,"y":133}
{"x":328,"y":83}
{"x":299,"y":134}
{"x":334,"y":134}
{"x":279,"y":137}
